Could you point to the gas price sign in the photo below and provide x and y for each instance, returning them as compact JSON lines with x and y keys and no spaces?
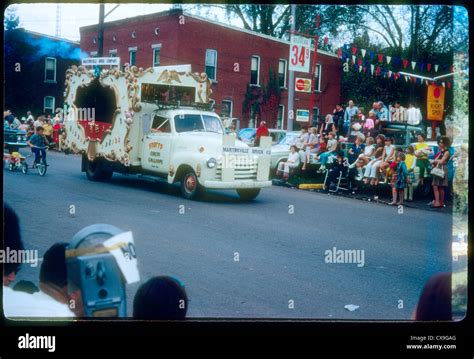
{"x":300,"y":53}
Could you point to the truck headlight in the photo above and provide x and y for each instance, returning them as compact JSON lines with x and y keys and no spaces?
{"x":211,"y":162}
{"x":18,"y":139}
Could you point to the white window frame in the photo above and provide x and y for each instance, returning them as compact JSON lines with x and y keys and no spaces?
{"x":113,"y":52}
{"x":318,"y":89}
{"x":285,"y":72}
{"x":155,"y":47}
{"x":231,"y":107}
{"x":215,"y":64}
{"x":44,"y":104}
{"x":130,"y":50}
{"x":45,"y":70}
{"x":258,"y":69}
{"x":94,"y":53}
{"x":282,"y":124}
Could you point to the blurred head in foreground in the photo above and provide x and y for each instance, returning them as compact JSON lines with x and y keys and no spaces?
{"x":160,"y":298}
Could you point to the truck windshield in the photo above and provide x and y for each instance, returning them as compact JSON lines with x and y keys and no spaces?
{"x":197,"y":123}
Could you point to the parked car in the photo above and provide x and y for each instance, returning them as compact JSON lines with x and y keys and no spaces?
{"x":247,"y":135}
{"x":13,"y":140}
{"x":281,"y":150}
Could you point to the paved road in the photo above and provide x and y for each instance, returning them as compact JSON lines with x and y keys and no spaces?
{"x":281,"y":255}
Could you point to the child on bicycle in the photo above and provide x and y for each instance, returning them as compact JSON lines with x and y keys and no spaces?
{"x":38,"y":143}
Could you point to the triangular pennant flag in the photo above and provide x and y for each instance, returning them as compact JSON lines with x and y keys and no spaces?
{"x":365,"y":69}
{"x":380,"y":58}
{"x":388,"y":59}
{"x":360,"y":68}
{"x":371,"y":54}
{"x":449,"y":85}
{"x":362,"y":51}
{"x":372,"y":69}
{"x":422,"y":66}
{"x":405,"y":63}
{"x":353,"y":59}
{"x":389,"y":73}
{"x":359,"y":62}
{"x":413,"y":64}
{"x":426,"y":82}
{"x":339,"y":53}
{"x":406,"y":78}
{"x":428,"y":67}
{"x":354,"y":50}
{"x":443,"y":84}
{"x":377,"y":72}
{"x":396,"y":61}
{"x":436,"y":68}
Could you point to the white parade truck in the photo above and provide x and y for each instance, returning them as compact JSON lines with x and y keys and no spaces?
{"x":158,"y":122}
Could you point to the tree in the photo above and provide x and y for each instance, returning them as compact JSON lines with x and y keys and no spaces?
{"x":11,"y":21}
{"x":271,"y":100}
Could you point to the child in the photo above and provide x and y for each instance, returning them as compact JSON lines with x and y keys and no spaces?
{"x":338,"y":168}
{"x":410,"y":161}
{"x":369,"y":123}
{"x":399,"y":179}
{"x":331,"y":150}
{"x":38,"y":142}
{"x":322,"y":145}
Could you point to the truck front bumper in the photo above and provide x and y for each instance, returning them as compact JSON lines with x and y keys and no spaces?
{"x":236,"y":184}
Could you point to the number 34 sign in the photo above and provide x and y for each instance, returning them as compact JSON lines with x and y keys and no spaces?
{"x":299,"y":53}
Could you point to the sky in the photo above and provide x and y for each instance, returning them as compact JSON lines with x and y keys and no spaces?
{"x":42,"y":17}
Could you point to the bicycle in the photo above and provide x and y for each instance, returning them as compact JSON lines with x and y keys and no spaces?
{"x":41,"y":166}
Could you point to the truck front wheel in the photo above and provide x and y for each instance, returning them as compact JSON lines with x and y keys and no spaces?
{"x":248,"y":194}
{"x":190,"y":187}
{"x":95,"y":172}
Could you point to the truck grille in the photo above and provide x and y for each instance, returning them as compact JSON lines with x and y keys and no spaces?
{"x":242,"y":171}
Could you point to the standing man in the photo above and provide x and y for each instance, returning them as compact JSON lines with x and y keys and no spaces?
{"x":39,"y":122}
{"x":29,"y":117}
{"x":413,"y":115}
{"x":351,"y":111}
{"x":262,"y":130}
{"x":338,"y":119}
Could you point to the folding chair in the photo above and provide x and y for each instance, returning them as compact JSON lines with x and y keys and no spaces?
{"x":342,"y":182}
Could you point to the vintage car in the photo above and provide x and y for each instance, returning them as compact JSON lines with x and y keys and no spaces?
{"x":14,"y":140}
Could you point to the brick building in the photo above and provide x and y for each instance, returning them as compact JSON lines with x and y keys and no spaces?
{"x":35,"y":69}
{"x":232,"y":57}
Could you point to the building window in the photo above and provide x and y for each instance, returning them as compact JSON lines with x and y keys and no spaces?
{"x":113,"y":53}
{"x":315,"y":116}
{"x":255,"y":71}
{"x":211,"y":64}
{"x":317,"y":84}
{"x":50,"y":69}
{"x":156,"y":54}
{"x":282,"y":73}
{"x":226,"y":108}
{"x":133,"y":55}
{"x":48,"y":105}
{"x":281,"y":116}
{"x":93,"y":53}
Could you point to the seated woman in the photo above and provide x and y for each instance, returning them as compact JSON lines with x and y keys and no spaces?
{"x":328,"y":126}
{"x":292,"y":162}
{"x":332,"y":145}
{"x":365,"y":157}
{"x":372,"y":167}
{"x":312,"y":146}
{"x":369,"y":123}
{"x":338,"y":168}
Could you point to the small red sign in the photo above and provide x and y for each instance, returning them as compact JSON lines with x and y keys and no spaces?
{"x":299,"y":84}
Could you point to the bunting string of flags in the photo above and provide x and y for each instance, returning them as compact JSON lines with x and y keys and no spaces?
{"x":361,"y":64}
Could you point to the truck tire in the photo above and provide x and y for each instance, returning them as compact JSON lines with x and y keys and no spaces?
{"x":190,"y":187}
{"x":95,"y":172}
{"x":248,"y":194}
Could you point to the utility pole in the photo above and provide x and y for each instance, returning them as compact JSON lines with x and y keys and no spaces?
{"x":100,"y":37}
{"x":291,"y":78}
{"x":312,"y":98}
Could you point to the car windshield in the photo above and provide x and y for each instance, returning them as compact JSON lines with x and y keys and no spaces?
{"x":289,"y":140}
{"x":247,"y":134}
{"x":197,"y":123}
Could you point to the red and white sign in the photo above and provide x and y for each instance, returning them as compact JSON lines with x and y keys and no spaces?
{"x":302,"y":85}
{"x":300,"y":52}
